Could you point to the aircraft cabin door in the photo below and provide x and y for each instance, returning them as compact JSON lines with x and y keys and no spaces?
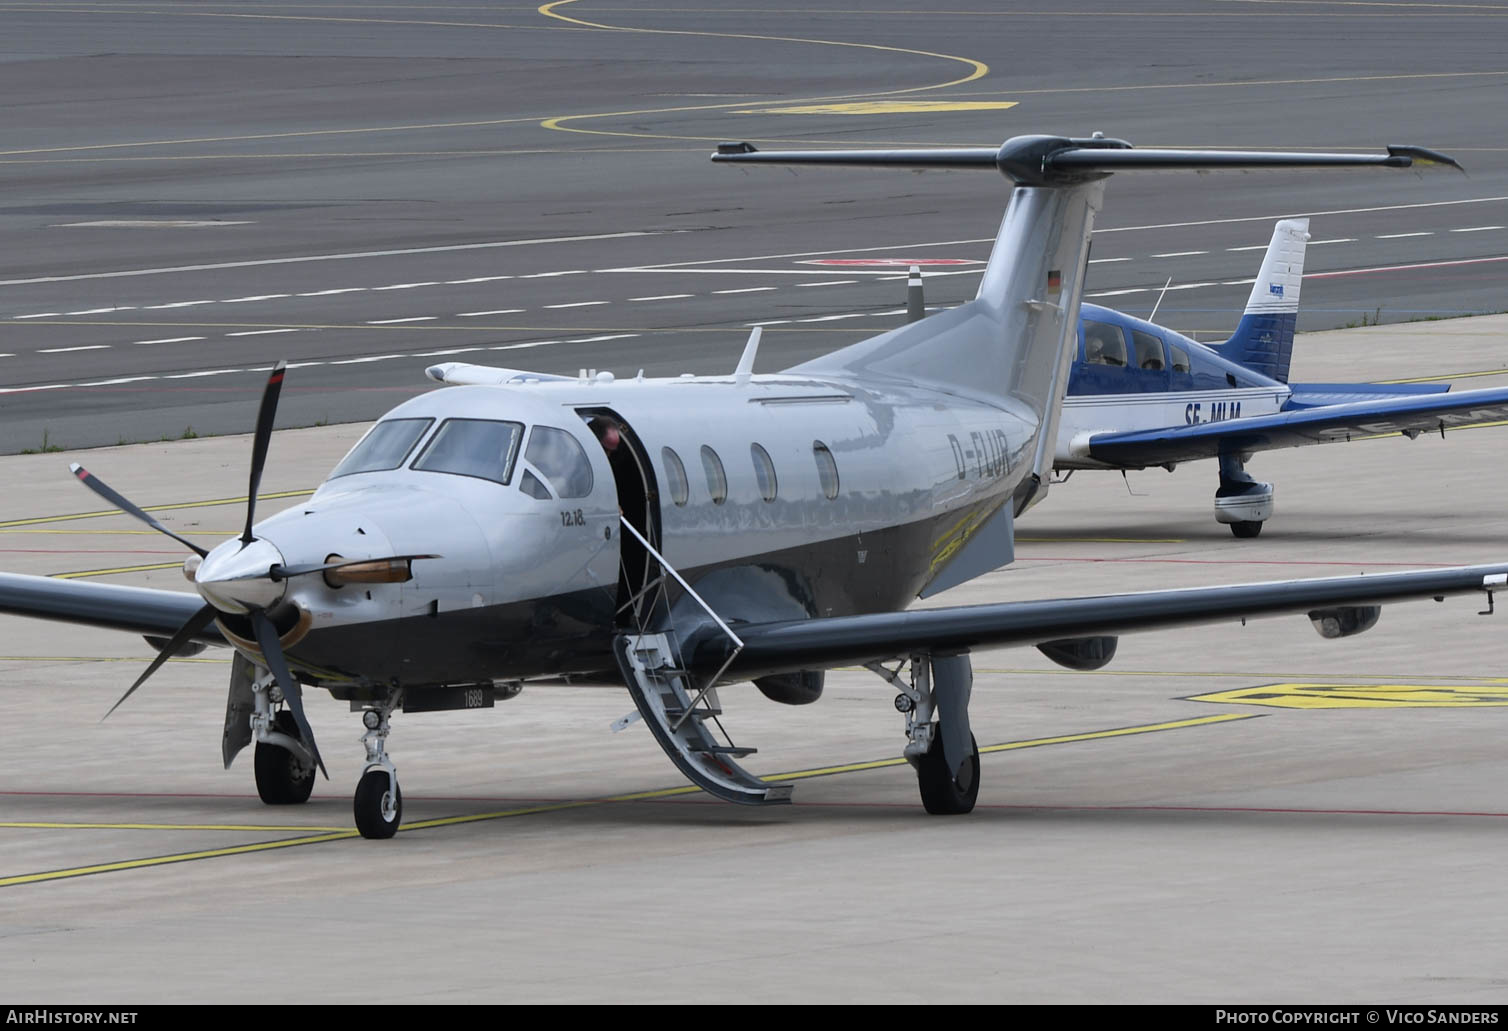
{"x":638,"y":501}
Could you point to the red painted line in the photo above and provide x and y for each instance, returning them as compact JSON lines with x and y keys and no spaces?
{"x":1403,"y":268}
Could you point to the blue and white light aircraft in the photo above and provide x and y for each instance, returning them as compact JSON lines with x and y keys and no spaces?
{"x":1141,"y":395}
{"x":678,"y":535}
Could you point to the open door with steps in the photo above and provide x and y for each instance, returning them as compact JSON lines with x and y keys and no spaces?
{"x":682,"y":715}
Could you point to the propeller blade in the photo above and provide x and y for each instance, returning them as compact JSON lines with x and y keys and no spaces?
{"x":99,"y":487}
{"x":272,"y":651}
{"x":266,"y":414}
{"x":197,"y":622}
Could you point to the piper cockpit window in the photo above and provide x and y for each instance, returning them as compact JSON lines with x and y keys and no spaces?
{"x":385,"y":446}
{"x":472,"y":447}
{"x":1148,"y":351}
{"x":1104,"y":344}
{"x":560,"y":457}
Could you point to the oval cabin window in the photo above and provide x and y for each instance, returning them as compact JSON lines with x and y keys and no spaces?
{"x":717,"y":480}
{"x":675,"y":477}
{"x":764,"y":472}
{"x":827,"y":469}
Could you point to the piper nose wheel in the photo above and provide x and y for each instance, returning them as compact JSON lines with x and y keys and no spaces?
{"x":378,"y":804}
{"x":1246,"y":528}
{"x":283,"y":777}
{"x":944,"y":791}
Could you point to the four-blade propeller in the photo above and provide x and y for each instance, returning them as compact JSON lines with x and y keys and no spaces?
{"x":262,"y":625}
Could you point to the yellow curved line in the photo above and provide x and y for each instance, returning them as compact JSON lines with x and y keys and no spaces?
{"x":978,"y":69}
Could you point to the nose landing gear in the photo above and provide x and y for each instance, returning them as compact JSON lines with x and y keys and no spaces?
{"x":378,"y":803}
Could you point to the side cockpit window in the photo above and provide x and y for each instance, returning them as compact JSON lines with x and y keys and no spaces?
{"x":385,"y":446}
{"x":472,"y":447}
{"x":1148,"y":351}
{"x":1180,"y":358}
{"x":1104,"y":344}
{"x":530,"y":485}
{"x":562,"y":461}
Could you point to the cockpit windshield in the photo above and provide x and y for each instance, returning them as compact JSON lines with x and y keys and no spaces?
{"x":385,"y":446}
{"x":473,"y":447}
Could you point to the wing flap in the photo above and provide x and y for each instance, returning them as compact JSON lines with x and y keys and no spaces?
{"x":1296,"y":428}
{"x":844,"y":640}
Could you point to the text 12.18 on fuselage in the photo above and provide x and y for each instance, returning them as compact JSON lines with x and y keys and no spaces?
{"x":683,"y":534}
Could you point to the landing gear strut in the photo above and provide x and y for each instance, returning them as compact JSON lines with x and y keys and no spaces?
{"x":1242,"y":503}
{"x":943,"y":751}
{"x":378,"y":804}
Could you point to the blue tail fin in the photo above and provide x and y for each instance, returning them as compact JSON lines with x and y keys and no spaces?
{"x":1263,"y":341}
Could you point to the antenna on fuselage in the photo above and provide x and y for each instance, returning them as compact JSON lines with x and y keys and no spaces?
{"x":1153,"y":316}
{"x":746,"y":363}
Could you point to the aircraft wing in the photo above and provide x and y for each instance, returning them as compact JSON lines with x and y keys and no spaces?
{"x":822,"y":643}
{"x":1296,"y":427}
{"x":140,"y":610}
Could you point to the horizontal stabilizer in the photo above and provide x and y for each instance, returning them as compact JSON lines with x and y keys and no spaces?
{"x":1427,"y":413}
{"x":1058,"y":160}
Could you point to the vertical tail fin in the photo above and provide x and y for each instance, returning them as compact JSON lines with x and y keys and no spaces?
{"x":1263,"y":341}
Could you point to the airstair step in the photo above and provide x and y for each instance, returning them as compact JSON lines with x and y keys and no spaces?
{"x":731,"y":750}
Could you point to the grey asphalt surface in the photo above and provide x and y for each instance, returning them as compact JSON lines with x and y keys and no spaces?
{"x":378,"y":184}
{"x":1234,"y":814}
{"x":1224,"y":815}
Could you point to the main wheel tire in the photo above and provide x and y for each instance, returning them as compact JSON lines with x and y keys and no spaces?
{"x":1246,"y":528}
{"x":943,"y":793}
{"x":283,"y":777}
{"x":377,"y":816}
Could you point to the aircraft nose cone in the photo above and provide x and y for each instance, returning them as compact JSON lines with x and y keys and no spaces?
{"x":234,"y":578}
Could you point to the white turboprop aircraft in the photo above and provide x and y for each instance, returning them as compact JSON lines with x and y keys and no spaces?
{"x":686,"y":533}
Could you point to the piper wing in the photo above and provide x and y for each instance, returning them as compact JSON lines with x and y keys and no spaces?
{"x":823,"y":643}
{"x":1296,"y":427}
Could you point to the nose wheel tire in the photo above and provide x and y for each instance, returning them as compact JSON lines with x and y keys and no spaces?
{"x":945,"y":793}
{"x":1246,"y":528}
{"x":378,"y":805}
{"x":283,"y":778}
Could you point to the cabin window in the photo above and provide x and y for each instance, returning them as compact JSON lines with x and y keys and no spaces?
{"x":530,"y":485}
{"x":675,"y":477}
{"x":472,"y":447}
{"x":1104,"y":344}
{"x":827,"y":469}
{"x":385,"y":446}
{"x":1180,"y":358}
{"x":1149,"y":354}
{"x":561,"y":459}
{"x":717,"y":480}
{"x":764,"y":472}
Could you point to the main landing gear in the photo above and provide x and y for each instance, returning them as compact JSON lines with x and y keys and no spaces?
{"x":1242,"y":503}
{"x":283,"y":765}
{"x":943,"y":751}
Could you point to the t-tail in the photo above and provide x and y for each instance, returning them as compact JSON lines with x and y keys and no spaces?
{"x":1013,"y":344}
{"x":1263,"y":341}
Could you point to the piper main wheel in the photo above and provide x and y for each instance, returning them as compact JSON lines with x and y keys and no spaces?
{"x":378,"y":804}
{"x":283,"y":777}
{"x":944,"y":791}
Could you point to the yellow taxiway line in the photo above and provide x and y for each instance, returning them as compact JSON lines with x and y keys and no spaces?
{"x":323,"y":835}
